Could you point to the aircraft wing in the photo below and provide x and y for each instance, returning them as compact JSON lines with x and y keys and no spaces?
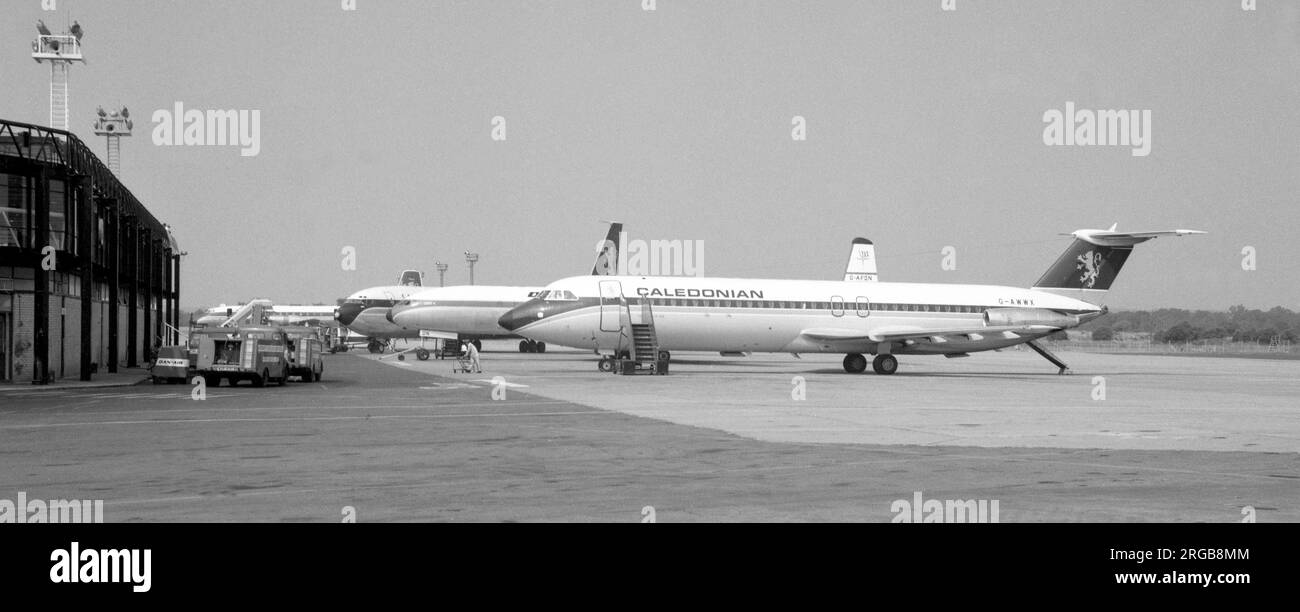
{"x":936,"y":335}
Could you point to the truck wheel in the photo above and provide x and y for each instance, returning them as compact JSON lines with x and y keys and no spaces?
{"x":422,"y":354}
{"x":317,"y":376}
{"x":260,"y":381}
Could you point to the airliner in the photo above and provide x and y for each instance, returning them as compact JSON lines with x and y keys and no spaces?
{"x":469,"y":313}
{"x":850,"y":317}
{"x":281,"y":314}
{"x":366,"y":312}
{"x":472,"y":312}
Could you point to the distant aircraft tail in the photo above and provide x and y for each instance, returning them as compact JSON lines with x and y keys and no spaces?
{"x":862,"y":262}
{"x":607,"y":252}
{"x":410,"y":278}
{"x":1090,"y":264}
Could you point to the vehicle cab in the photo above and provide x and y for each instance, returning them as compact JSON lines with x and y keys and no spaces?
{"x":305,"y":350}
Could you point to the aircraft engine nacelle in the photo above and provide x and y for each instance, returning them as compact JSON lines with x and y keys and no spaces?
{"x":1021,"y":317}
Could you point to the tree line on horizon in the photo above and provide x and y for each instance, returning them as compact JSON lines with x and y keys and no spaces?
{"x":1177,"y":325}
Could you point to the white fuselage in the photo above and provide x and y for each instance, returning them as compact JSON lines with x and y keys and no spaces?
{"x":366,"y":312}
{"x":464,"y":312}
{"x":760,"y":315}
{"x":280,"y":314}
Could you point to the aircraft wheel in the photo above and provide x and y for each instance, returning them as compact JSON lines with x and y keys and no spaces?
{"x":478,"y":346}
{"x":606,"y":364}
{"x":541,"y":347}
{"x":523,"y":346}
{"x":885,"y":364}
{"x":401,"y":356}
{"x":855,"y":363}
{"x":422,"y":354}
{"x":375,"y":347}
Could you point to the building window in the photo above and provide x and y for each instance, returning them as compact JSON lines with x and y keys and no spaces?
{"x":15,"y":210}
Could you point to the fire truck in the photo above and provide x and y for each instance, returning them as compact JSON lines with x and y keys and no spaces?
{"x":305,"y":349}
{"x":257,"y":353}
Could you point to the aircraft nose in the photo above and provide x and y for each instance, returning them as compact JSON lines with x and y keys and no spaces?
{"x":347,"y":313}
{"x":519,"y":316}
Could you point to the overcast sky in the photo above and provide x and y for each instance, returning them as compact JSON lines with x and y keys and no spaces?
{"x":924,"y":130}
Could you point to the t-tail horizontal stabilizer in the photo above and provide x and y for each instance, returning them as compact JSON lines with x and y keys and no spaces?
{"x":1090,"y":264}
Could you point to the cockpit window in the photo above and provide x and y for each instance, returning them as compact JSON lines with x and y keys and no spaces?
{"x":557,"y":295}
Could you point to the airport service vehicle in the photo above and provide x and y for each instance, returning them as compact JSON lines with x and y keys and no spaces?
{"x":855,"y":318}
{"x":305,"y":352}
{"x":172,"y":365}
{"x":257,"y":353}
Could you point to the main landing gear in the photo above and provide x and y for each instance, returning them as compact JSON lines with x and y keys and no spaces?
{"x":532,"y":346}
{"x":856,"y":363}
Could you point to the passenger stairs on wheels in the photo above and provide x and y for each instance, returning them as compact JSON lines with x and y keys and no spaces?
{"x":644,"y":355}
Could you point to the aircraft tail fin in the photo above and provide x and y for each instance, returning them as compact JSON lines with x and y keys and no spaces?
{"x":1090,"y":264}
{"x":862,"y":262}
{"x":607,"y":252}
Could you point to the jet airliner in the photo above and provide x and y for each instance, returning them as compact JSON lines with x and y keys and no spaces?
{"x":850,"y":317}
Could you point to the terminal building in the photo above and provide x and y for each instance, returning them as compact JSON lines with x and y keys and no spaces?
{"x":89,"y":279}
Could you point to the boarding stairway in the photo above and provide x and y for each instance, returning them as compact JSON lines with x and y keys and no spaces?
{"x":254,"y":311}
{"x":644,"y":355}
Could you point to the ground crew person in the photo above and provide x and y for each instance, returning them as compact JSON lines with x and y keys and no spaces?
{"x":471,"y":353}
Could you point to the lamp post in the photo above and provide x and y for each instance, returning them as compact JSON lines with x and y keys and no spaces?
{"x":61,"y":51}
{"x":471,"y":258}
{"x":442,"y":272}
{"x":113,"y":127}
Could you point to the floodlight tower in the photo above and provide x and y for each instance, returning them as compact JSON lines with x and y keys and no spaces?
{"x":113,"y":127}
{"x":60,"y":50}
{"x":472,"y":258}
{"x":442,"y":271}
